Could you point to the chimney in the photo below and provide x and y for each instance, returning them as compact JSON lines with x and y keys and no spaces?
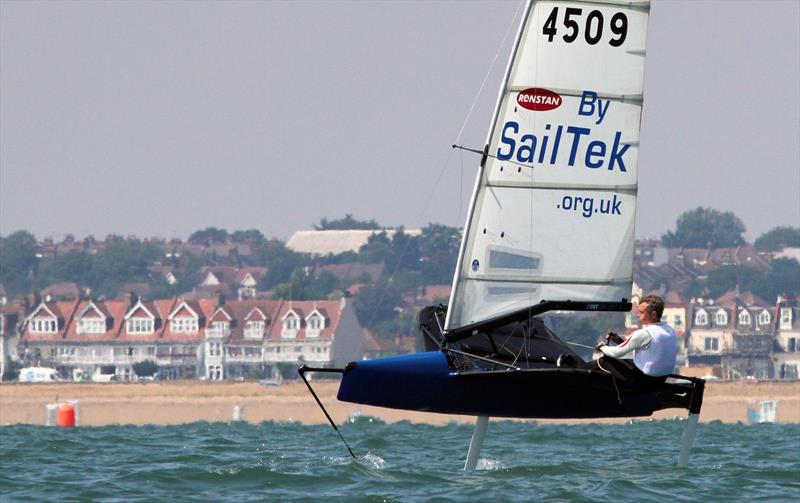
{"x":220,"y":298}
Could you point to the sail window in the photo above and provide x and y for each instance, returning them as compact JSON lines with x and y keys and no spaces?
{"x":500,"y":259}
{"x":510,"y":290}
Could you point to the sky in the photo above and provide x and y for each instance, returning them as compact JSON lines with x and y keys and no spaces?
{"x":161,"y":118}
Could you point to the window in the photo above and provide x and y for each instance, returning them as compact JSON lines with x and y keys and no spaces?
{"x":151,"y":350}
{"x":184,"y":325}
{"x":792,"y":345}
{"x":44,"y":325}
{"x":140,"y":325}
{"x":315,"y":324}
{"x":711,"y":344}
{"x":701,"y":318}
{"x":744,"y":318}
{"x":290,"y":326}
{"x":677,"y":321}
{"x":764,"y":318}
{"x":219,"y":329}
{"x":253,"y":329}
{"x":721,"y":318}
{"x":214,"y":349}
{"x":91,"y":326}
{"x":786,"y":318}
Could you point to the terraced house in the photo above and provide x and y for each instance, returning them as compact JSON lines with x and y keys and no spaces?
{"x":208,"y":339}
{"x":733,"y":336}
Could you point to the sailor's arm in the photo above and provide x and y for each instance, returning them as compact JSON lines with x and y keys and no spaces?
{"x":637,"y":340}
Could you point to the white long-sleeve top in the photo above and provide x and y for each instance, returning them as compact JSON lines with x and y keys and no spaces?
{"x":654,"y":349}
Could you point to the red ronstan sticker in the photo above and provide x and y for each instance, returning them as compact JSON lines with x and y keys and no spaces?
{"x":538,"y":99}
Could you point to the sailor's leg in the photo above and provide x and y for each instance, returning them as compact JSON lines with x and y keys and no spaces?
{"x":477,"y":441}
{"x":688,"y":438}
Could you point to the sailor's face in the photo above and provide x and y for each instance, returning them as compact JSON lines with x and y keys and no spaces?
{"x":645,"y":315}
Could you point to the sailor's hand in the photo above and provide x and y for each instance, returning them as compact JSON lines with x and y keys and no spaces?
{"x":599,"y":347}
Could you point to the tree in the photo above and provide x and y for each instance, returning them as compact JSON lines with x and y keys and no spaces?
{"x":146,"y":368}
{"x":208,"y":235}
{"x":728,"y":277}
{"x":377,"y":249}
{"x":777,"y":238}
{"x":73,"y":266}
{"x":439,"y":251}
{"x":18,"y":261}
{"x":248,"y":236}
{"x":298,"y":288}
{"x":346,"y":223}
{"x":705,"y":227}
{"x":375,"y":304}
{"x":280,"y":262}
{"x":122,"y":261}
{"x":782,"y":279}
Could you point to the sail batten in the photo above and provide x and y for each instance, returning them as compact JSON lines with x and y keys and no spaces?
{"x":553,"y":211}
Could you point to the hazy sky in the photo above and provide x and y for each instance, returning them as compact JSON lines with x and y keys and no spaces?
{"x":154,"y":118}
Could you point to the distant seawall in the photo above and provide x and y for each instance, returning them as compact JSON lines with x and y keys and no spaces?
{"x":178,"y":402}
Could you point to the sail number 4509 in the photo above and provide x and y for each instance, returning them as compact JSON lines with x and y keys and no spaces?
{"x":592,"y":29}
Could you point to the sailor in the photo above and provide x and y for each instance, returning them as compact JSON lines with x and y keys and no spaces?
{"x":653,"y":348}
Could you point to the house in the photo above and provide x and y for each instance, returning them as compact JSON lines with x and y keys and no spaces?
{"x":110,"y":336}
{"x":732,"y":335}
{"x":207,"y":338}
{"x":225,"y":280}
{"x":235,"y":338}
{"x":787,"y":341}
{"x":321,"y":333}
{"x":162,"y":273}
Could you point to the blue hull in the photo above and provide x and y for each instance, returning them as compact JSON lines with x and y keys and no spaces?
{"x":424,"y":382}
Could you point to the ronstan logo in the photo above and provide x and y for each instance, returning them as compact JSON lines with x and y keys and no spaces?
{"x":538,"y":99}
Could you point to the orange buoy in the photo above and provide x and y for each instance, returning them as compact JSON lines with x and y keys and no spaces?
{"x":66,"y":415}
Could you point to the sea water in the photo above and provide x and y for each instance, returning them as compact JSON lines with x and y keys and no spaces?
{"x":278,"y":461}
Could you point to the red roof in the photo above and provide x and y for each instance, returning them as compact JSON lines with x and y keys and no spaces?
{"x":329,"y":309}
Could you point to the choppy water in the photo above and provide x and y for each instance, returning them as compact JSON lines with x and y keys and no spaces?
{"x":398,"y":462}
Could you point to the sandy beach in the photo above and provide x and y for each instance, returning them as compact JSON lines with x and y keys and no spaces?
{"x":187,"y":401}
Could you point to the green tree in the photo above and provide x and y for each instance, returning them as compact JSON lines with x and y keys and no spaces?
{"x":208,"y":235}
{"x":782,"y":279}
{"x":122,"y":261}
{"x":299,"y":287}
{"x":377,"y":249}
{"x":705,"y":227}
{"x":439,"y":251}
{"x":375,"y":304}
{"x":728,"y":277}
{"x":248,"y":236}
{"x":145,"y":368}
{"x":73,"y":266}
{"x":346,"y":223}
{"x":778,"y":238}
{"x":18,"y":261}
{"x":280,"y":262}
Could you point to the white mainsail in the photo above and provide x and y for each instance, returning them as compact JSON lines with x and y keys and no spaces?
{"x":553,"y":211}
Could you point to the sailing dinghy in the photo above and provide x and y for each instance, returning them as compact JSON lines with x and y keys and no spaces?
{"x":550,"y":227}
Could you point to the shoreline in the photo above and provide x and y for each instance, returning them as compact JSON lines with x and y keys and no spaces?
{"x":178,"y":402}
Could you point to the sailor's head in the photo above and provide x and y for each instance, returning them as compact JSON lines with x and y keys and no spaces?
{"x":651,"y":307}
